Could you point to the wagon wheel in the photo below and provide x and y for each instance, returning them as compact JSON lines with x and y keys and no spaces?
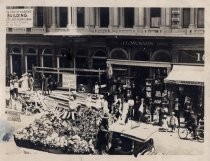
{"x":183,"y":132}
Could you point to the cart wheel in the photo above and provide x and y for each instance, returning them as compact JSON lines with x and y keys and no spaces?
{"x":200,"y":135}
{"x":182,"y":132}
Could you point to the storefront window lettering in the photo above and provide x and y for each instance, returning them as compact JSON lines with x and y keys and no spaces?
{"x":137,"y":43}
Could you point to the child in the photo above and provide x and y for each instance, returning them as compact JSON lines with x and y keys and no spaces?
{"x":173,"y":122}
{"x":165,"y":123}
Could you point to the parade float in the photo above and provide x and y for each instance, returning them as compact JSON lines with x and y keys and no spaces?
{"x":57,"y":132}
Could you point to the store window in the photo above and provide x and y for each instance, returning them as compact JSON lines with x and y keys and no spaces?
{"x":104,"y":17}
{"x":200,"y":19}
{"x":80,"y":17}
{"x":15,"y":61}
{"x":65,"y":58}
{"x":82,"y":59}
{"x":119,"y":54}
{"x":99,"y":60}
{"x":63,"y":16}
{"x":30,"y":59}
{"x":186,"y":18}
{"x":40,"y":17}
{"x":155,"y":15}
{"x":128,"y":17}
{"x":47,"y":57}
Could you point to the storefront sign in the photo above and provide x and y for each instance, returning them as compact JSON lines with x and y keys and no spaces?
{"x":20,"y":18}
{"x":69,"y":80}
{"x":13,"y":116}
{"x":143,"y":43}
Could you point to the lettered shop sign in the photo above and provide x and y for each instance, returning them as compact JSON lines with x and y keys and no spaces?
{"x":20,"y":18}
{"x":69,"y":80}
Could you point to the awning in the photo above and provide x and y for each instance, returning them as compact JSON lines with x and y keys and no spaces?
{"x":187,"y":75}
{"x":139,"y":63}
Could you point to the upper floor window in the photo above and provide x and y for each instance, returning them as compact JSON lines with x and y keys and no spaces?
{"x":40,"y":17}
{"x":80,"y":16}
{"x":63,"y":16}
{"x":155,"y":14}
{"x":129,"y":17}
{"x":186,"y":18}
{"x":104,"y":17}
{"x":200,"y":19}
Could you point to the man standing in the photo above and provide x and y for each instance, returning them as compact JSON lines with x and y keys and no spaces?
{"x":102,"y":136}
{"x":31,"y":82}
{"x":177,"y":110}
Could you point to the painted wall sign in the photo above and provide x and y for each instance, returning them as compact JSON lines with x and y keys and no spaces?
{"x":19,"y":18}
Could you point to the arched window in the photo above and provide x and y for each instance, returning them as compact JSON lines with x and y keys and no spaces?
{"x":118,"y":54}
{"x":65,"y":58}
{"x":30,"y":58}
{"x":15,"y":60}
{"x":82,"y":59}
{"x":47,"y":57}
{"x":99,"y":60}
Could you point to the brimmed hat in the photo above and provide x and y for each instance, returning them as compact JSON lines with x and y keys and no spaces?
{"x":106,"y":116}
{"x":164,"y":116}
{"x":173,"y":113}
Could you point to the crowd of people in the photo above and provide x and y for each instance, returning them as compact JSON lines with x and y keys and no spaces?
{"x":25,"y":83}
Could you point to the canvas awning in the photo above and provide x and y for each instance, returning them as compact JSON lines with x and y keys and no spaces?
{"x":187,"y":75}
{"x":139,"y":63}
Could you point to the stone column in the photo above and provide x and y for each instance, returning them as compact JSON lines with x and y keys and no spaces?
{"x":141,"y":17}
{"x":147,"y":10}
{"x":69,"y":17}
{"x":58,"y":16}
{"x":74,"y":17}
{"x":168,"y":17}
{"x":53,"y":25}
{"x":87,"y":14}
{"x":163,"y":17}
{"x":97,"y":16}
{"x":35,"y":17}
{"x":115,"y":17}
{"x":121,"y":18}
{"x":136,"y":17}
{"x":111,"y":17}
{"x":192,"y":18}
{"x":92,"y":16}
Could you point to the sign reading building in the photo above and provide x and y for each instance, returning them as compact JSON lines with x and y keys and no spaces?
{"x":13,"y":116}
{"x":69,"y":80}
{"x":19,"y":18}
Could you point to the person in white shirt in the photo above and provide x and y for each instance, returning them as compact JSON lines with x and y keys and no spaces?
{"x":125,"y":111}
{"x":16,"y":86}
{"x":72,"y":106}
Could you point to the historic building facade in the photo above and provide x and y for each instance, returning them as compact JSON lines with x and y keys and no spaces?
{"x":136,"y":42}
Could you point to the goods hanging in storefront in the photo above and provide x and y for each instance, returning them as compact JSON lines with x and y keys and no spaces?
{"x":55,"y":134}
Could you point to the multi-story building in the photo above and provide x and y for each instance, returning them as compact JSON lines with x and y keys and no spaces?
{"x":137,"y":42}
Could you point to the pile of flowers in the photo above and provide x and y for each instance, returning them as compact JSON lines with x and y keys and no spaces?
{"x":70,"y":136}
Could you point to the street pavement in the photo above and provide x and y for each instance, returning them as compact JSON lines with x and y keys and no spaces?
{"x":166,"y":143}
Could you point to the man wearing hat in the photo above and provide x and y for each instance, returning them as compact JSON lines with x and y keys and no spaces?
{"x":102,"y":136}
{"x":191,"y":123}
{"x":177,"y":110}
